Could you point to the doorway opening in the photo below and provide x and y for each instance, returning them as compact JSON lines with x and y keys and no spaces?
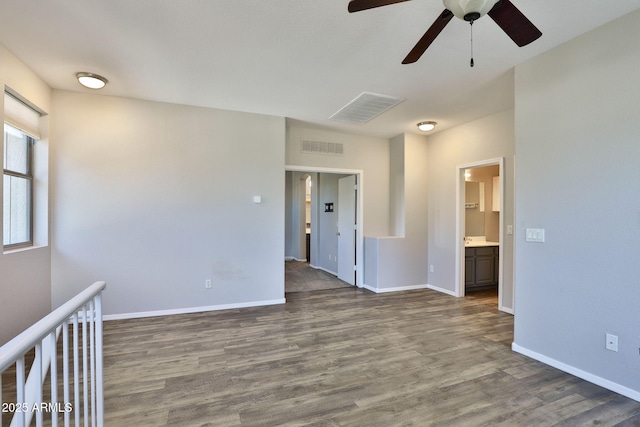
{"x":479,"y":229}
{"x":315,"y":230}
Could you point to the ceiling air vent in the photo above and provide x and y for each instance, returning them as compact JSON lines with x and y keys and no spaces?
{"x":319,"y":147}
{"x":365,"y":107}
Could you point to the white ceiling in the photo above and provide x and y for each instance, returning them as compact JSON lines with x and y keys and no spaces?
{"x":301,"y":59}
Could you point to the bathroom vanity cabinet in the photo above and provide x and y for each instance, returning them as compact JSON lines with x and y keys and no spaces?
{"x":481,"y":268}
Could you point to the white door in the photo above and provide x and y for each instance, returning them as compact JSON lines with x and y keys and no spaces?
{"x":346,"y":229}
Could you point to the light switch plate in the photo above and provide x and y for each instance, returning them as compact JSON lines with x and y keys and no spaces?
{"x":535,"y":235}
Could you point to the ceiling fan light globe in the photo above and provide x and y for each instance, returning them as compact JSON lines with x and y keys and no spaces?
{"x":469,"y":10}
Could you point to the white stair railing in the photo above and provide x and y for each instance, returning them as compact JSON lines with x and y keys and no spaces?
{"x":22,"y":397}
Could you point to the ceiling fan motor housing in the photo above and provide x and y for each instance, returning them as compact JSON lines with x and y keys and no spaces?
{"x":469,"y":10}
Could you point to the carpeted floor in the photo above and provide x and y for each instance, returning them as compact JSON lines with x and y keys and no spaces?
{"x":300,"y":277}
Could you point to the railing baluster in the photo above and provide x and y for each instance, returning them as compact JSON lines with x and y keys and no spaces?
{"x":92,"y":359}
{"x":99,"y":363}
{"x":65,"y":371}
{"x":20,"y":379}
{"x":76,"y":372}
{"x":54,"y":378}
{"x":85,"y":374}
{"x":1,"y":398}
{"x":37,"y":366}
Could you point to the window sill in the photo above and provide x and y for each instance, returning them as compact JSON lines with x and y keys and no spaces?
{"x":23,"y":249}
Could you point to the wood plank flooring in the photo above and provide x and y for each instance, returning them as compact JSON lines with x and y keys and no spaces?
{"x":344,"y":357}
{"x":301,"y":277}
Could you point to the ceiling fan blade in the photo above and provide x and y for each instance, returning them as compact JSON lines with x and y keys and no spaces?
{"x":358,"y":5}
{"x":428,"y":37}
{"x":514,"y":23}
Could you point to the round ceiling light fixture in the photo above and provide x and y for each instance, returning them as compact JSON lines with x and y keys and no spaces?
{"x":91,"y":80}
{"x":469,"y":10}
{"x":426,"y":126}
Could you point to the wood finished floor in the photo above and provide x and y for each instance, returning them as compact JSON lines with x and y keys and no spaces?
{"x":343,"y":357}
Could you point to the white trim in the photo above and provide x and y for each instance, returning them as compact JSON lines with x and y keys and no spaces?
{"x":442,"y":290}
{"x":359,"y":208}
{"x":291,"y":258}
{"x":369,"y":288}
{"x":513,"y":238}
{"x":398,"y":289}
{"x":316,"y":267}
{"x":506,"y":310}
{"x":170,"y":312}
{"x":602,"y":382}
{"x":459,"y":264}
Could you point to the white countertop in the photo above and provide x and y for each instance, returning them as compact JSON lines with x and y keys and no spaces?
{"x":478,"y":242}
{"x":481,"y":244}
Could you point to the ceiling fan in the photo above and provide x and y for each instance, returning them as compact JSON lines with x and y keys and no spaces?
{"x":503,"y":12}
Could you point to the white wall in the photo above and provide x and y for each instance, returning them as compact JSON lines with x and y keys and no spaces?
{"x":369,"y":154}
{"x":396,"y":186}
{"x":401,"y":260}
{"x":487,"y":138}
{"x":295,"y":226}
{"x":156,"y":198}
{"x":25,"y":276}
{"x":578,"y":146}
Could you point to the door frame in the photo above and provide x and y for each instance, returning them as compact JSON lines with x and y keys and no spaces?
{"x":359,"y":209}
{"x":347,"y":211}
{"x":460,"y":225}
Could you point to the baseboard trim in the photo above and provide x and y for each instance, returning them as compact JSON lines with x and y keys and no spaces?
{"x":610,"y":385}
{"x":369,"y":288}
{"x":124,"y":316}
{"x":317,"y":267}
{"x":442,"y":290}
{"x":506,"y":309}
{"x":398,"y":289}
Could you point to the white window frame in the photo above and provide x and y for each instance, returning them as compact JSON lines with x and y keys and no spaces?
{"x":28,"y":175}
{"x":22,"y":115}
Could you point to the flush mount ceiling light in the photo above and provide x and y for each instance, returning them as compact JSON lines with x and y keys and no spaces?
{"x":91,"y":80}
{"x":426,"y":126}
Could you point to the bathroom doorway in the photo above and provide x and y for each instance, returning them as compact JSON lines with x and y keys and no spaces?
{"x":480,"y":207}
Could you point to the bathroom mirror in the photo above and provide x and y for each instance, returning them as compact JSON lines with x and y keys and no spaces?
{"x":474,"y":208}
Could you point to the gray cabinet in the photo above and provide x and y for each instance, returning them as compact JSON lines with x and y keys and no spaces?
{"x":481,"y":268}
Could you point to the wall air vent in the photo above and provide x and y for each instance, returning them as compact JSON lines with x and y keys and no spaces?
{"x":365,"y":107}
{"x":320,"y":147}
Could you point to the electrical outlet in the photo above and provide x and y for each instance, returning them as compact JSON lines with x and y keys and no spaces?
{"x":207,"y":284}
{"x":612,"y":342}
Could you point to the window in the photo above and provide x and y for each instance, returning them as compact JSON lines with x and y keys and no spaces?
{"x":21,"y":131}
{"x":18,"y":188}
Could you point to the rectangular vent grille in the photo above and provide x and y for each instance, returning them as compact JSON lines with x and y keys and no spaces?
{"x":320,"y":147}
{"x":365,"y":107}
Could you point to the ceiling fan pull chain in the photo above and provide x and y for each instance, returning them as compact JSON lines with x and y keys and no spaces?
{"x":471,"y":63}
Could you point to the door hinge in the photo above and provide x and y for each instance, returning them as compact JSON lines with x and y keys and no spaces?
{"x":355,"y":226}
{"x":355,"y":268}
{"x":355,"y":187}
